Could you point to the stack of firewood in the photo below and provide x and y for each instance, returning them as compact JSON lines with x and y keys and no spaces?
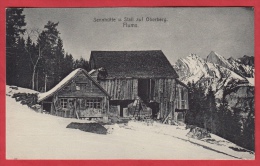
{"x":26,"y":98}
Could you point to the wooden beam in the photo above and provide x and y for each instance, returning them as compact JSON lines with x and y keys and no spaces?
{"x":77,"y":114}
{"x":107,"y":107}
{"x":167,"y":117}
{"x":150,"y":94}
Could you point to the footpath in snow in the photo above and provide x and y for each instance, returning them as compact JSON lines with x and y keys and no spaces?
{"x":32,"y":135}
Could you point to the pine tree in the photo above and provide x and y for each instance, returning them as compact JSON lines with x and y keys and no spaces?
{"x":229,"y":125}
{"x":200,"y":106}
{"x":81,"y":63}
{"x":43,"y":61}
{"x":195,"y":115}
{"x":235,"y":128}
{"x":59,"y":58}
{"x":34,"y":59}
{"x":189,"y":119}
{"x":248,"y":133}
{"x":222,"y":113}
{"x":211,"y":109}
{"x":15,"y":22}
{"x":23,"y":67}
{"x":67,"y":65}
{"x":46,"y":47}
{"x":248,"y":139}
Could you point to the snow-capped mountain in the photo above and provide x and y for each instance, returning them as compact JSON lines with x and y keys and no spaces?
{"x":213,"y":57}
{"x":242,"y":66}
{"x":216,"y":71}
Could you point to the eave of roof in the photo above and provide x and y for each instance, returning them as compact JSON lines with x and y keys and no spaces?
{"x":65,"y":81}
{"x":181,"y":83}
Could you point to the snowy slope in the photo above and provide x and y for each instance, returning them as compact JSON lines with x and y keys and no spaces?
{"x":10,"y":90}
{"x":31,"y":135}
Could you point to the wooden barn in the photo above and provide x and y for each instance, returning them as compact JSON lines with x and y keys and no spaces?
{"x":144,"y":74}
{"x":77,"y":96}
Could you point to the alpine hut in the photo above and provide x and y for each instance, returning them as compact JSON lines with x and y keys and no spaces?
{"x":127,"y":75}
{"x":77,"y":96}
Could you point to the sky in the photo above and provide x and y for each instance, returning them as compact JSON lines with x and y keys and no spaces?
{"x":228,"y":31}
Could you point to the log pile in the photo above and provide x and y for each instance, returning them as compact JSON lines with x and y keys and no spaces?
{"x":26,"y":99}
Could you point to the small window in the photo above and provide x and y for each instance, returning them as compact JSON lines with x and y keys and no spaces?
{"x":93,"y":103}
{"x":182,"y":94}
{"x":77,"y":87}
{"x":64,"y":103}
{"x":81,"y":86}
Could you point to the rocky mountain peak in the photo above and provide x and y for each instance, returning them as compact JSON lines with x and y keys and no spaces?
{"x":247,"y":60}
{"x":215,"y":71}
{"x":192,"y":55}
{"x":213,"y":57}
{"x":231,"y":59}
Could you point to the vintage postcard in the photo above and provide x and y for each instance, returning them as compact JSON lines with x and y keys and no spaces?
{"x":154,"y":83}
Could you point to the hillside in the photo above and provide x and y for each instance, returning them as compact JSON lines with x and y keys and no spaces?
{"x":232,"y":82}
{"x":32,"y":135}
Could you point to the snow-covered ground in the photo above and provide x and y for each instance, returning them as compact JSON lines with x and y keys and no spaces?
{"x":32,"y":135}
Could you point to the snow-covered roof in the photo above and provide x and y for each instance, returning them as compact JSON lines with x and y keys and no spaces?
{"x":64,"y":82}
{"x":92,"y":71}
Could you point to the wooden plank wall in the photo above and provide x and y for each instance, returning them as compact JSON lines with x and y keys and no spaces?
{"x":121,"y":89}
{"x":58,"y":111}
{"x":87,"y":87}
{"x":179,"y":90}
{"x":127,"y":89}
{"x":164,"y":93}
